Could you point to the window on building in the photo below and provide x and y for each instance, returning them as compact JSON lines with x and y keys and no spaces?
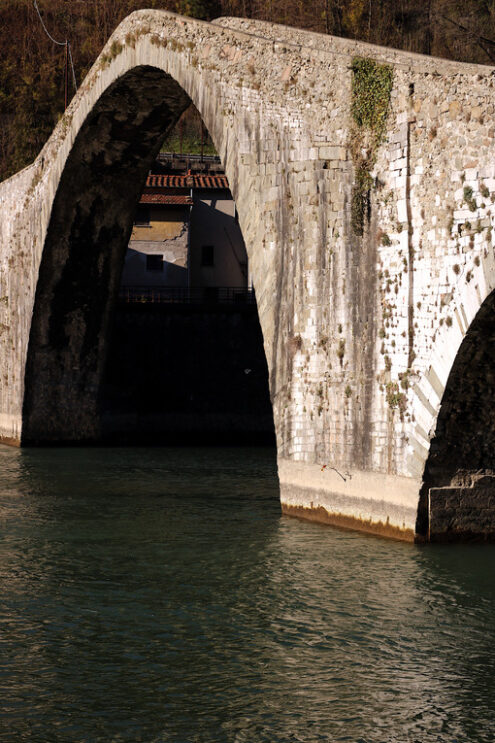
{"x":142,"y":218}
{"x":154,"y":262}
{"x":207,"y":255}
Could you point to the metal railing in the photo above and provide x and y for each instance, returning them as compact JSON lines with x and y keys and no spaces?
{"x":164,"y":157}
{"x":207,"y":295}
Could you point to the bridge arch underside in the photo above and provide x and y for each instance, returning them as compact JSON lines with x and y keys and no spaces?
{"x":457,"y":499}
{"x":89,"y":229}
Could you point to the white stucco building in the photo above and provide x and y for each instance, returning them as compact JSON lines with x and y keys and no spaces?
{"x":185,"y":236}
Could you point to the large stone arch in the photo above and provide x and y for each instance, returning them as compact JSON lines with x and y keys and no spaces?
{"x":87,"y":236}
{"x":360,"y":332}
{"x":74,"y":198}
{"x":113,"y":138}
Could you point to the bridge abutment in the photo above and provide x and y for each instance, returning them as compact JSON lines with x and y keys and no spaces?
{"x":361,"y":500}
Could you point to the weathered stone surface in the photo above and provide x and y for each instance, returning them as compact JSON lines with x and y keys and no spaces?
{"x":463,"y":511}
{"x":360,"y":334}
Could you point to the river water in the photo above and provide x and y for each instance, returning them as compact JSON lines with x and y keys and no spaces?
{"x":158,"y":595}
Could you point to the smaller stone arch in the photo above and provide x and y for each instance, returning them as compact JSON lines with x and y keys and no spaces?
{"x":457,"y":499}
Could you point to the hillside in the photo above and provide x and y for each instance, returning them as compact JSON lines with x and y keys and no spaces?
{"x":32,"y":68}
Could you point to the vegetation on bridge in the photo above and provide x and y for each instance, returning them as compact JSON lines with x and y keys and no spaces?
{"x":371,"y":87}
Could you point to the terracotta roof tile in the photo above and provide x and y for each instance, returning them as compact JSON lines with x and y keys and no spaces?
{"x":194,"y":180}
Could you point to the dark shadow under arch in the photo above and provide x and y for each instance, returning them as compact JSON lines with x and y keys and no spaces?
{"x":463,"y":446}
{"x":89,"y":229}
{"x":88,"y":234}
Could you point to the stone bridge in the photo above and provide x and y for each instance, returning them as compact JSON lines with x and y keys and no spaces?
{"x":365,"y":184}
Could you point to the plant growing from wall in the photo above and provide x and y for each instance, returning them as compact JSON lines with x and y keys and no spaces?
{"x":371,"y":88}
{"x":395,"y":398}
{"x":469,"y":199}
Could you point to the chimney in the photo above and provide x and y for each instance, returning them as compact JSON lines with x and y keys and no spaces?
{"x":189,"y":179}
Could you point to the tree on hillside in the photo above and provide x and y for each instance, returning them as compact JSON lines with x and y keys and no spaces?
{"x":31,"y":73}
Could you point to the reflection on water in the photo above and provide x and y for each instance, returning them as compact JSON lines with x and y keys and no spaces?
{"x":157,"y":595}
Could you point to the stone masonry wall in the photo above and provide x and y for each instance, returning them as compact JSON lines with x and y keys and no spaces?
{"x":463,"y":510}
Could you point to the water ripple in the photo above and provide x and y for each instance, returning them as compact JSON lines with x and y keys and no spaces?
{"x":157,"y":595}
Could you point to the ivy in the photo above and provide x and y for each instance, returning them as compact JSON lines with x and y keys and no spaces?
{"x":371,"y":88}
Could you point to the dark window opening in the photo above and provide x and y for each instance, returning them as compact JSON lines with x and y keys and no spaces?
{"x":207,"y":255}
{"x":154,"y":263}
{"x":142,"y":218}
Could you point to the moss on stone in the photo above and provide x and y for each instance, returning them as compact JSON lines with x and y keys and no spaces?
{"x":469,"y":198}
{"x":115,"y":49}
{"x":396,"y":399}
{"x":130,"y":40}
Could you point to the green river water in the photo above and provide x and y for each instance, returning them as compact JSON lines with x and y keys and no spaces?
{"x":157,"y":595}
